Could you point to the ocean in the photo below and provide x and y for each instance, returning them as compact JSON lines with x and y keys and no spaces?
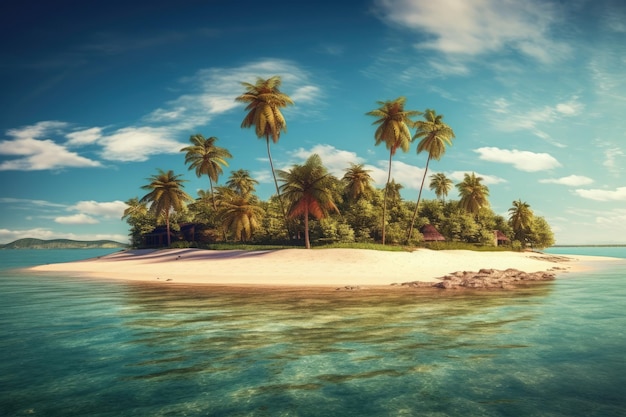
{"x":82,"y":347}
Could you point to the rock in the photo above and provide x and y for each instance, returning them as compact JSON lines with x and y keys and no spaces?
{"x":486,"y":278}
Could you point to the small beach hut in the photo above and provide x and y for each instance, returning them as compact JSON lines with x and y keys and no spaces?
{"x":500,"y":238}
{"x":431,"y":234}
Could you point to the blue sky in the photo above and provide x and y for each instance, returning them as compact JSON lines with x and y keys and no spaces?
{"x":97,"y":95}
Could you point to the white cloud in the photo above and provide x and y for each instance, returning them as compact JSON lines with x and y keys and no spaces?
{"x":619,"y":194}
{"x":139,"y":143}
{"x":38,"y":130}
{"x":79,"y":218}
{"x":108,"y":209}
{"x":34,"y":155}
{"x":335,"y":160}
{"x":522,"y":160}
{"x":571,"y":180}
{"x":461,"y":28}
{"x":459,"y":176}
{"x":84,"y":137}
{"x":408,"y":175}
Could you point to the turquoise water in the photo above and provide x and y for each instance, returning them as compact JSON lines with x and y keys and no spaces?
{"x":78,"y":347}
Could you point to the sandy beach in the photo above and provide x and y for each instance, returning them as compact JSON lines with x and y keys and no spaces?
{"x":306,"y":268}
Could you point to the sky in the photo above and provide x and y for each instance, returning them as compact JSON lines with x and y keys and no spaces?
{"x":96,"y":96}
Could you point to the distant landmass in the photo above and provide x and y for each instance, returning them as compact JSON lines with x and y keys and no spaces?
{"x":31,"y":243}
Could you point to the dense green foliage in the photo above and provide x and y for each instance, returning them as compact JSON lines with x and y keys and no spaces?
{"x":320,"y":209}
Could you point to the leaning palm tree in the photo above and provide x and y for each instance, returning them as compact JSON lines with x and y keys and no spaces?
{"x":441,"y":185}
{"x":242,"y":182}
{"x":308,"y":189}
{"x":206,"y":158}
{"x":166,"y":194}
{"x":435,"y":136}
{"x":393,"y":131}
{"x":520,"y":218}
{"x":264,"y":103}
{"x":357,"y":181}
{"x":240,"y":215}
{"x":473,"y":193}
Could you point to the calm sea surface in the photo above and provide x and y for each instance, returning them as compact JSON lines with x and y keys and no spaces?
{"x":84,"y":347}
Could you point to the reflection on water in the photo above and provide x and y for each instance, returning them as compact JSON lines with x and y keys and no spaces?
{"x":76,"y":347}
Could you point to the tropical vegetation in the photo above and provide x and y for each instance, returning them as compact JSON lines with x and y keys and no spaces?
{"x":312,"y":206}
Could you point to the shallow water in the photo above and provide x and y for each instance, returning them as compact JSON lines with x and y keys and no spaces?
{"x":77,"y":347}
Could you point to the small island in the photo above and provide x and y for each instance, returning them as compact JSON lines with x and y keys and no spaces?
{"x":31,"y":243}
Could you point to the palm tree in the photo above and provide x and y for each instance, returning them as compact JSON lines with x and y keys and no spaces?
{"x":473,"y":194}
{"x":206,"y":158}
{"x":134,"y":208}
{"x":308,"y":191}
{"x":166,"y":194}
{"x":393,"y":130}
{"x":264,"y":103}
{"x":357,"y":181}
{"x":520,"y":218}
{"x":441,"y":185}
{"x":242,"y":182}
{"x":435,"y":136}
{"x":240,"y":215}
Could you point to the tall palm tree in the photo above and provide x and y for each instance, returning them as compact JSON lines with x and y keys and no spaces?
{"x":473,"y":193}
{"x":242,"y":182}
{"x":520,"y":218}
{"x":441,"y":185}
{"x":264,"y":101}
{"x":240,"y":215}
{"x":308,"y":190}
{"x":206,"y":158}
{"x":166,"y":194}
{"x":435,"y":136}
{"x":357,"y":181}
{"x":393,"y":131}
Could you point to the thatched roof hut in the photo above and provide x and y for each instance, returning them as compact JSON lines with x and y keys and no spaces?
{"x":431,"y":234}
{"x":500,"y":238}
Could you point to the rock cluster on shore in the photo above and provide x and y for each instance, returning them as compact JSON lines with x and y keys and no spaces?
{"x":485,"y":278}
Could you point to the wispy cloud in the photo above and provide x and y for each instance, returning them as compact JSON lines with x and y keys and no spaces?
{"x":465,"y":29}
{"x":619,"y":194}
{"x":512,"y":115}
{"x":521,"y":160}
{"x":571,"y":180}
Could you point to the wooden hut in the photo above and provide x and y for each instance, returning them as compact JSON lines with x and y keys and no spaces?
{"x":431,"y":234}
{"x":499,"y":238}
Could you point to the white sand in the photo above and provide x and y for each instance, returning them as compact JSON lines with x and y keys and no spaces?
{"x":305,"y":268}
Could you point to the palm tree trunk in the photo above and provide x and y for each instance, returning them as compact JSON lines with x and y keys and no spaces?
{"x":385,"y":195}
{"x":167,"y":229}
{"x":212,"y":194}
{"x":417,"y":206}
{"x":307,"y":242}
{"x":280,"y":200}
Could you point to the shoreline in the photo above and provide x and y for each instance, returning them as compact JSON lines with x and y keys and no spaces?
{"x":299,"y":268}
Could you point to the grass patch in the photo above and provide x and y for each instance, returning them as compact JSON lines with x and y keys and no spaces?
{"x":465,"y":246}
{"x":371,"y":246}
